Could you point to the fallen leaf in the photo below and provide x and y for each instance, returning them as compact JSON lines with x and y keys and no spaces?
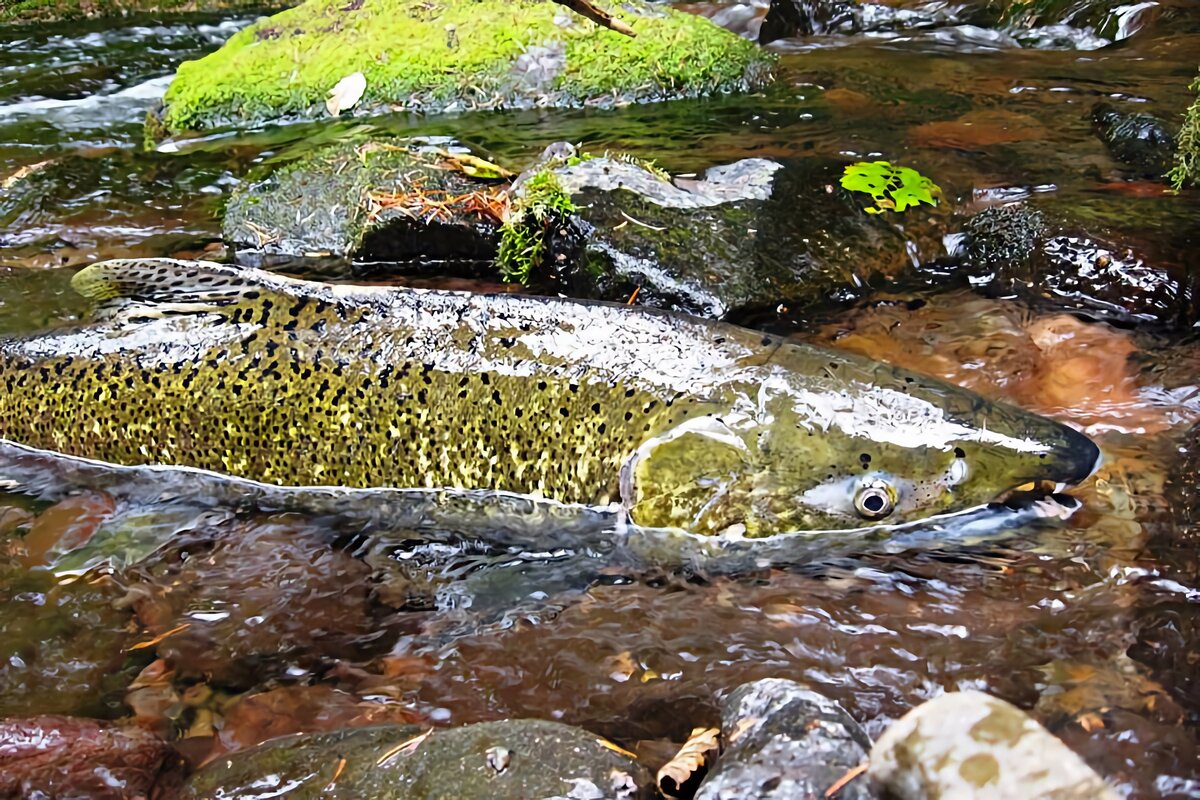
{"x":616,"y":748}
{"x":24,"y":172}
{"x":701,"y":745}
{"x":159,"y":638}
{"x":473,"y":166}
{"x":346,"y":94}
{"x":621,"y":667}
{"x":842,"y":782}
{"x":744,"y":724}
{"x":407,"y":746}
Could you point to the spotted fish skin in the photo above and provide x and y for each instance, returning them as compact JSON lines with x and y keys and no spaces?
{"x":690,"y":423}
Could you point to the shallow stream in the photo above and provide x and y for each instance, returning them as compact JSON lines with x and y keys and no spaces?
{"x":1093,"y":624}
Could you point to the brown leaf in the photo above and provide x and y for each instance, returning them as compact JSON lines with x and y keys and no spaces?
{"x":24,"y":172}
{"x":405,"y":747}
{"x":701,"y":746}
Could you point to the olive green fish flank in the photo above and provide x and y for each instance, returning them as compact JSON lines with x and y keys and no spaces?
{"x":687,"y":422}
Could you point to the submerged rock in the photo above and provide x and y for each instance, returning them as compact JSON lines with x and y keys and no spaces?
{"x":433,"y":57}
{"x":62,"y":645}
{"x":971,"y":746}
{"x":68,"y":757}
{"x":505,"y":760}
{"x":1138,"y":139}
{"x":1021,"y":250}
{"x":255,"y":599}
{"x":783,"y":741}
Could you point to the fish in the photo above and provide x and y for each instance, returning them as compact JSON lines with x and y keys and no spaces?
{"x":683,"y":422}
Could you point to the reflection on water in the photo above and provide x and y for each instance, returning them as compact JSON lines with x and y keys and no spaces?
{"x":1092,"y":623}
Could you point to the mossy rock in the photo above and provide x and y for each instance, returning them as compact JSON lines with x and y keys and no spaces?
{"x":22,"y":11}
{"x":743,"y":237}
{"x":441,"y":56}
{"x":361,"y":200}
{"x":504,"y":760}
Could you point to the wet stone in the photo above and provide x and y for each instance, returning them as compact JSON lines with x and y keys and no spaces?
{"x":783,"y":740}
{"x":69,"y":757}
{"x":374,"y":201}
{"x":971,"y":746}
{"x":1139,"y":140}
{"x":787,"y":18}
{"x":1022,"y":250}
{"x":62,"y":645}
{"x":741,"y":236}
{"x":505,"y":760}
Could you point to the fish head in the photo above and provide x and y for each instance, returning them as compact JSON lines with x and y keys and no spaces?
{"x":862,"y":445}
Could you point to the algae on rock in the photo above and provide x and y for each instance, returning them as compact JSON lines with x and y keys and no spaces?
{"x":442,"y":56}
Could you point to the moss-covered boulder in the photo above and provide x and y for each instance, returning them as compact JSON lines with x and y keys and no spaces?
{"x":1137,"y":139}
{"x":505,"y":760}
{"x":452,"y":55}
{"x":58,"y":10}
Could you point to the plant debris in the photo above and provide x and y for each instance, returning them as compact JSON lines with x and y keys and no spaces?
{"x":701,"y":747}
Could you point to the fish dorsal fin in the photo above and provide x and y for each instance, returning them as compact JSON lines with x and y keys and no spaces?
{"x":167,"y":283}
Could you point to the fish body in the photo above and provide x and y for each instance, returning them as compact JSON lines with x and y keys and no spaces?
{"x":687,"y":422}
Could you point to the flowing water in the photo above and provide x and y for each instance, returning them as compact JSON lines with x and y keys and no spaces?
{"x":1093,"y":624}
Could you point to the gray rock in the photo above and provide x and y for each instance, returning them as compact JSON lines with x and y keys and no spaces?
{"x":970,"y":746}
{"x":785,"y":741}
{"x":741,"y":236}
{"x":505,"y":760}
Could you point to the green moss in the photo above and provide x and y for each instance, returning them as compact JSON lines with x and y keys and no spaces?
{"x":57,"y":10}
{"x":434,"y":56}
{"x":1187,"y":156}
{"x":540,"y":202}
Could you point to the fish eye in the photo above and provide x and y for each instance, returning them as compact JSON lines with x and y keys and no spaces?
{"x":874,"y":500}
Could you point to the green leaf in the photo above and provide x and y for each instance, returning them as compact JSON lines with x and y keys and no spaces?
{"x":892,"y":187}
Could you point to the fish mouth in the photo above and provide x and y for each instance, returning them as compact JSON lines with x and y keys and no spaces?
{"x":1072,"y":460}
{"x":1075,"y":460}
{"x":1030,"y":491}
